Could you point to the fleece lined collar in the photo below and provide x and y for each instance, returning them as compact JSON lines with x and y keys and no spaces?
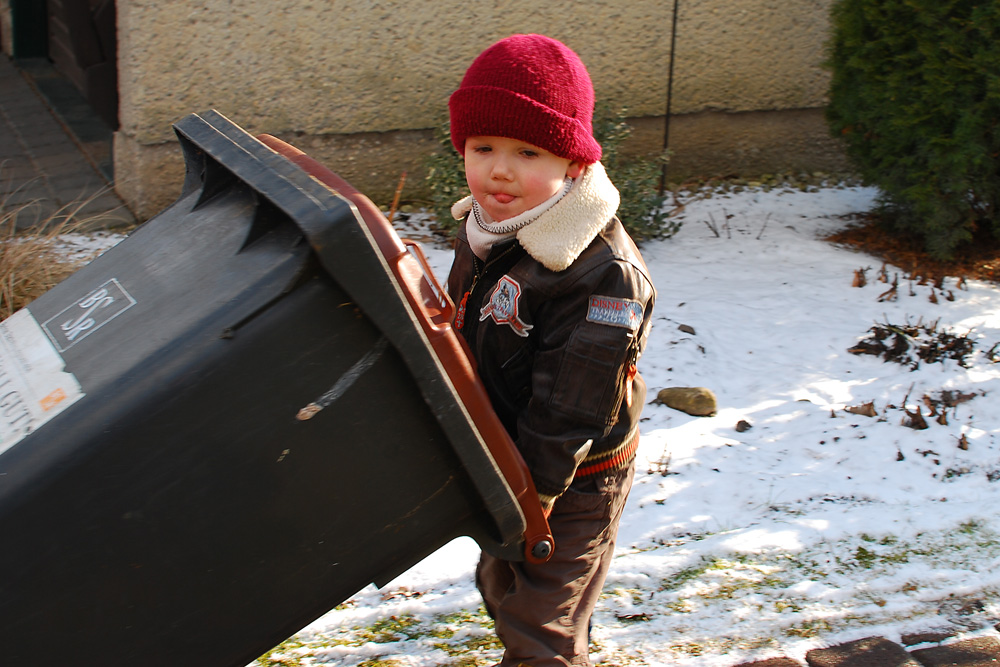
{"x":558,"y":236}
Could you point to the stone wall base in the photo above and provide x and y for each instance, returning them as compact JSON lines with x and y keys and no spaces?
{"x":707,"y":144}
{"x":745,"y":144}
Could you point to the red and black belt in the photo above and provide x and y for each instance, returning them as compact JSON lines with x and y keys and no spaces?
{"x":610,"y":460}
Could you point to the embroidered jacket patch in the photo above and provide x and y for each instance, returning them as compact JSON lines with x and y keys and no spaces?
{"x":503,"y":305}
{"x":615,"y":312}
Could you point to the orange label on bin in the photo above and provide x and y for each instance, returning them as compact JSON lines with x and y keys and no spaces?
{"x":53,"y":399}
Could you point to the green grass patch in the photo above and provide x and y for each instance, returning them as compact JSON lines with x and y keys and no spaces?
{"x":467,"y":637}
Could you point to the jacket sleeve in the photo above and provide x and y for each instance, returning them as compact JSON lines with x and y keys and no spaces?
{"x":589,"y":335}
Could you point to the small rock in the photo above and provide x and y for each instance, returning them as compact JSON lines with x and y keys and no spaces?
{"x":969,"y":652}
{"x":697,"y":401}
{"x":687,"y":329}
{"x":874,"y":651}
{"x":743,"y":426}
{"x":929,"y":637}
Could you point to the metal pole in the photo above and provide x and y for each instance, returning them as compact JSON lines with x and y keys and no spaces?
{"x":670,"y":90}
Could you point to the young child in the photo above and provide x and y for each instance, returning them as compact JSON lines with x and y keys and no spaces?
{"x":555,"y":303}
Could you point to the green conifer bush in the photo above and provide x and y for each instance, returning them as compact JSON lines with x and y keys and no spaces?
{"x":915,"y":94}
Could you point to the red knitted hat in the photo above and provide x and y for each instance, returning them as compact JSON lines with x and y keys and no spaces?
{"x":531,"y":88}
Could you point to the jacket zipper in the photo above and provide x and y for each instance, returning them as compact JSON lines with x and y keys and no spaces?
{"x":629,"y":370}
{"x":479,"y":273}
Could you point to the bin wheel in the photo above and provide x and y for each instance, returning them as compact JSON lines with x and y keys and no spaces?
{"x":542,"y":550}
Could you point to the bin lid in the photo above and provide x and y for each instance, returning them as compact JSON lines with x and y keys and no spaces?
{"x":358,"y":248}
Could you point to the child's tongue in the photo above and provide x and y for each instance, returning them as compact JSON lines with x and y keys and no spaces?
{"x":503,"y":198}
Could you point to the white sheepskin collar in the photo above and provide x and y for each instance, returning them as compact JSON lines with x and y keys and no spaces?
{"x":565,"y":230}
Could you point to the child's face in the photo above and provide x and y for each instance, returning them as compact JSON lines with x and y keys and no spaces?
{"x":508,"y":177}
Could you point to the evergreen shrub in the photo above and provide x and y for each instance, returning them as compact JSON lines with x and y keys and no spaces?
{"x":915,"y":94}
{"x":642,"y":207}
{"x":445,"y":178}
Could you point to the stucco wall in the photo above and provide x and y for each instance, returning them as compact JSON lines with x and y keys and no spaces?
{"x":356,"y":84}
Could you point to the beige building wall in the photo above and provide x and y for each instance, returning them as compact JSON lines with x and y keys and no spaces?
{"x":357,"y":84}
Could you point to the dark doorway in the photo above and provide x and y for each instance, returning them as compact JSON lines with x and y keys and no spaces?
{"x":82,"y":45}
{"x":30,"y":38}
{"x":67,"y":49}
{"x":78,"y":38}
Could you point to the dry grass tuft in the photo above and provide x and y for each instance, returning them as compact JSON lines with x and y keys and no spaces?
{"x":30,"y":264}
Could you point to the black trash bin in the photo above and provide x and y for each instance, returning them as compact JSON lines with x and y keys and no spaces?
{"x":238,"y":417}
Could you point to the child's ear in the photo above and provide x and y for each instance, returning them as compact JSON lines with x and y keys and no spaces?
{"x":575,"y":169}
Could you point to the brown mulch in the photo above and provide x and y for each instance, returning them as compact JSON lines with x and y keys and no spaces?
{"x":979,"y":261}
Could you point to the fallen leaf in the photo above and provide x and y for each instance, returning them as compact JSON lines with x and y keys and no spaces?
{"x":865,"y":410}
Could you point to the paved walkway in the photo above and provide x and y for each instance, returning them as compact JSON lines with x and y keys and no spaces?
{"x":47,"y":169}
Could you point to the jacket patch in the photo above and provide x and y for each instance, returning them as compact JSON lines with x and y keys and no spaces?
{"x":615,"y":312}
{"x":503,"y":306}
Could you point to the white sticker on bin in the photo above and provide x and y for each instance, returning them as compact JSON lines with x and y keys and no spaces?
{"x":34,"y":385}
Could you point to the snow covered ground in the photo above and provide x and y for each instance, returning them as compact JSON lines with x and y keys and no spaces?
{"x":815,"y":526}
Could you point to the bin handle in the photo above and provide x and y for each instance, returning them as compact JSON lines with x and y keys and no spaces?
{"x":444,"y":302}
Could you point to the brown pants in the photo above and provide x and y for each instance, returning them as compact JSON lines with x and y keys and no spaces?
{"x":542,"y":612}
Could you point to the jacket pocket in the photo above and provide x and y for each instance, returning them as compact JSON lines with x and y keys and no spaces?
{"x":589,"y":385}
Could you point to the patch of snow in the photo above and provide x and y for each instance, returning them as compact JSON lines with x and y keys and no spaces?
{"x":79,"y":247}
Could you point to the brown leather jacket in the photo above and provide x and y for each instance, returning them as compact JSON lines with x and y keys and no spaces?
{"x":557,"y":350}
